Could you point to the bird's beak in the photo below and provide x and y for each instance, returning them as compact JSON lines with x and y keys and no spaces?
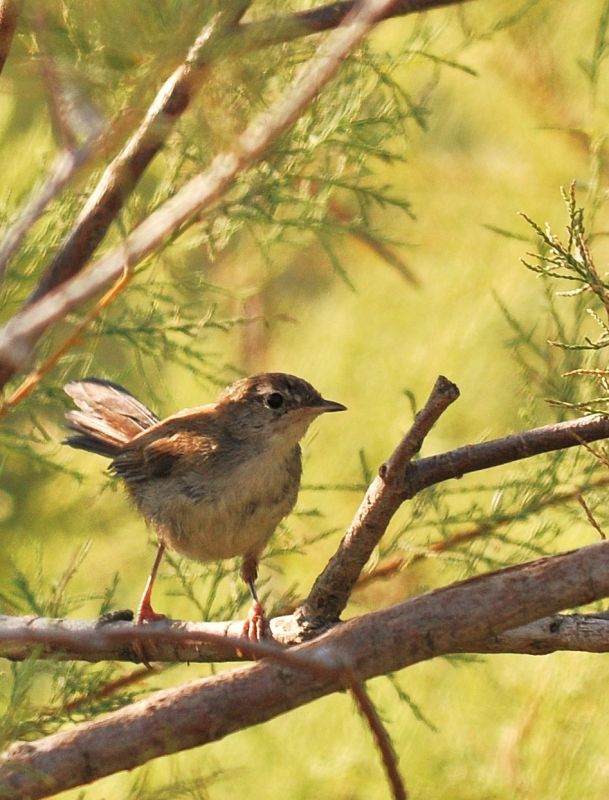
{"x":329,"y":405}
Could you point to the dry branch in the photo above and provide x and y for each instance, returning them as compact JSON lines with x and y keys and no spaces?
{"x":332,"y":589}
{"x":449,"y":620}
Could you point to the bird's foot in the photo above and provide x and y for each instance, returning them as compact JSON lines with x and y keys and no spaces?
{"x":146,"y":613}
{"x":256,"y":626}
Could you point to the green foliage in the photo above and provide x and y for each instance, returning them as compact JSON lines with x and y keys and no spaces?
{"x":39,"y":696}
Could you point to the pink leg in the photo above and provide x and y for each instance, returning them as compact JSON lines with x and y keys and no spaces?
{"x":145,"y":612}
{"x":256,"y":626}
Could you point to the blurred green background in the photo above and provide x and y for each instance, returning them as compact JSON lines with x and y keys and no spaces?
{"x":514,"y":103}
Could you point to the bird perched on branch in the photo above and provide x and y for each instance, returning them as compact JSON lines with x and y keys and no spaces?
{"x":213,"y":481}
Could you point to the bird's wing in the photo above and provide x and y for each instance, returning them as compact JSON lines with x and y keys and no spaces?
{"x":168,"y":446}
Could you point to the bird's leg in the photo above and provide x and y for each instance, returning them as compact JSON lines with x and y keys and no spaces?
{"x":145,"y":612}
{"x":256,"y":626}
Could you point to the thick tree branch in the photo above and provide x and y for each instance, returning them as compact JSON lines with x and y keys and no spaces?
{"x":449,"y":620}
{"x":178,"y":641}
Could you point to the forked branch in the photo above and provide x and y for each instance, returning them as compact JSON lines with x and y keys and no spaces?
{"x":331,"y":591}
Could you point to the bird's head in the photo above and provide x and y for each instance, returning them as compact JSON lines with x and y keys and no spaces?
{"x":274,"y":405}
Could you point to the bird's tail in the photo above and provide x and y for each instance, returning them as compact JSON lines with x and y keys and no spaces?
{"x":109,"y":416}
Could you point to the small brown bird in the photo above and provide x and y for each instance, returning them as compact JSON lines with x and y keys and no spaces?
{"x":213,"y":481}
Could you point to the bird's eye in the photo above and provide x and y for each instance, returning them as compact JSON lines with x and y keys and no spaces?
{"x":274,"y":400}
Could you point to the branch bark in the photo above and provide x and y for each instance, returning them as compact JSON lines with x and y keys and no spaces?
{"x":178,"y":641}
{"x":475,"y":457}
{"x":449,"y":620}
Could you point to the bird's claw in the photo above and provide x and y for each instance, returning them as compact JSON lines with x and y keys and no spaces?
{"x":256,"y":627}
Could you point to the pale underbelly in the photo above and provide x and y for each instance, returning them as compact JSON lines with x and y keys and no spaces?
{"x":226,"y":528}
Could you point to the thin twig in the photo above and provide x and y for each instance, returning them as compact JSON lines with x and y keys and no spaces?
{"x":383,"y":571}
{"x":378,"y":730}
{"x":108,"y":690}
{"x":36,"y":376}
{"x":65,"y":166}
{"x":590,"y":517}
{"x":486,"y":528}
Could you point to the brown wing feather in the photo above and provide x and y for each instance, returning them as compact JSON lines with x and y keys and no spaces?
{"x":165,"y":449}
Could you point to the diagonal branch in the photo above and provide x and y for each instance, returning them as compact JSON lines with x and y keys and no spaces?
{"x":333,"y":587}
{"x":449,"y":620}
{"x":222,"y":38}
{"x":125,"y":170}
{"x":378,"y":730}
{"x":20,"y":334}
